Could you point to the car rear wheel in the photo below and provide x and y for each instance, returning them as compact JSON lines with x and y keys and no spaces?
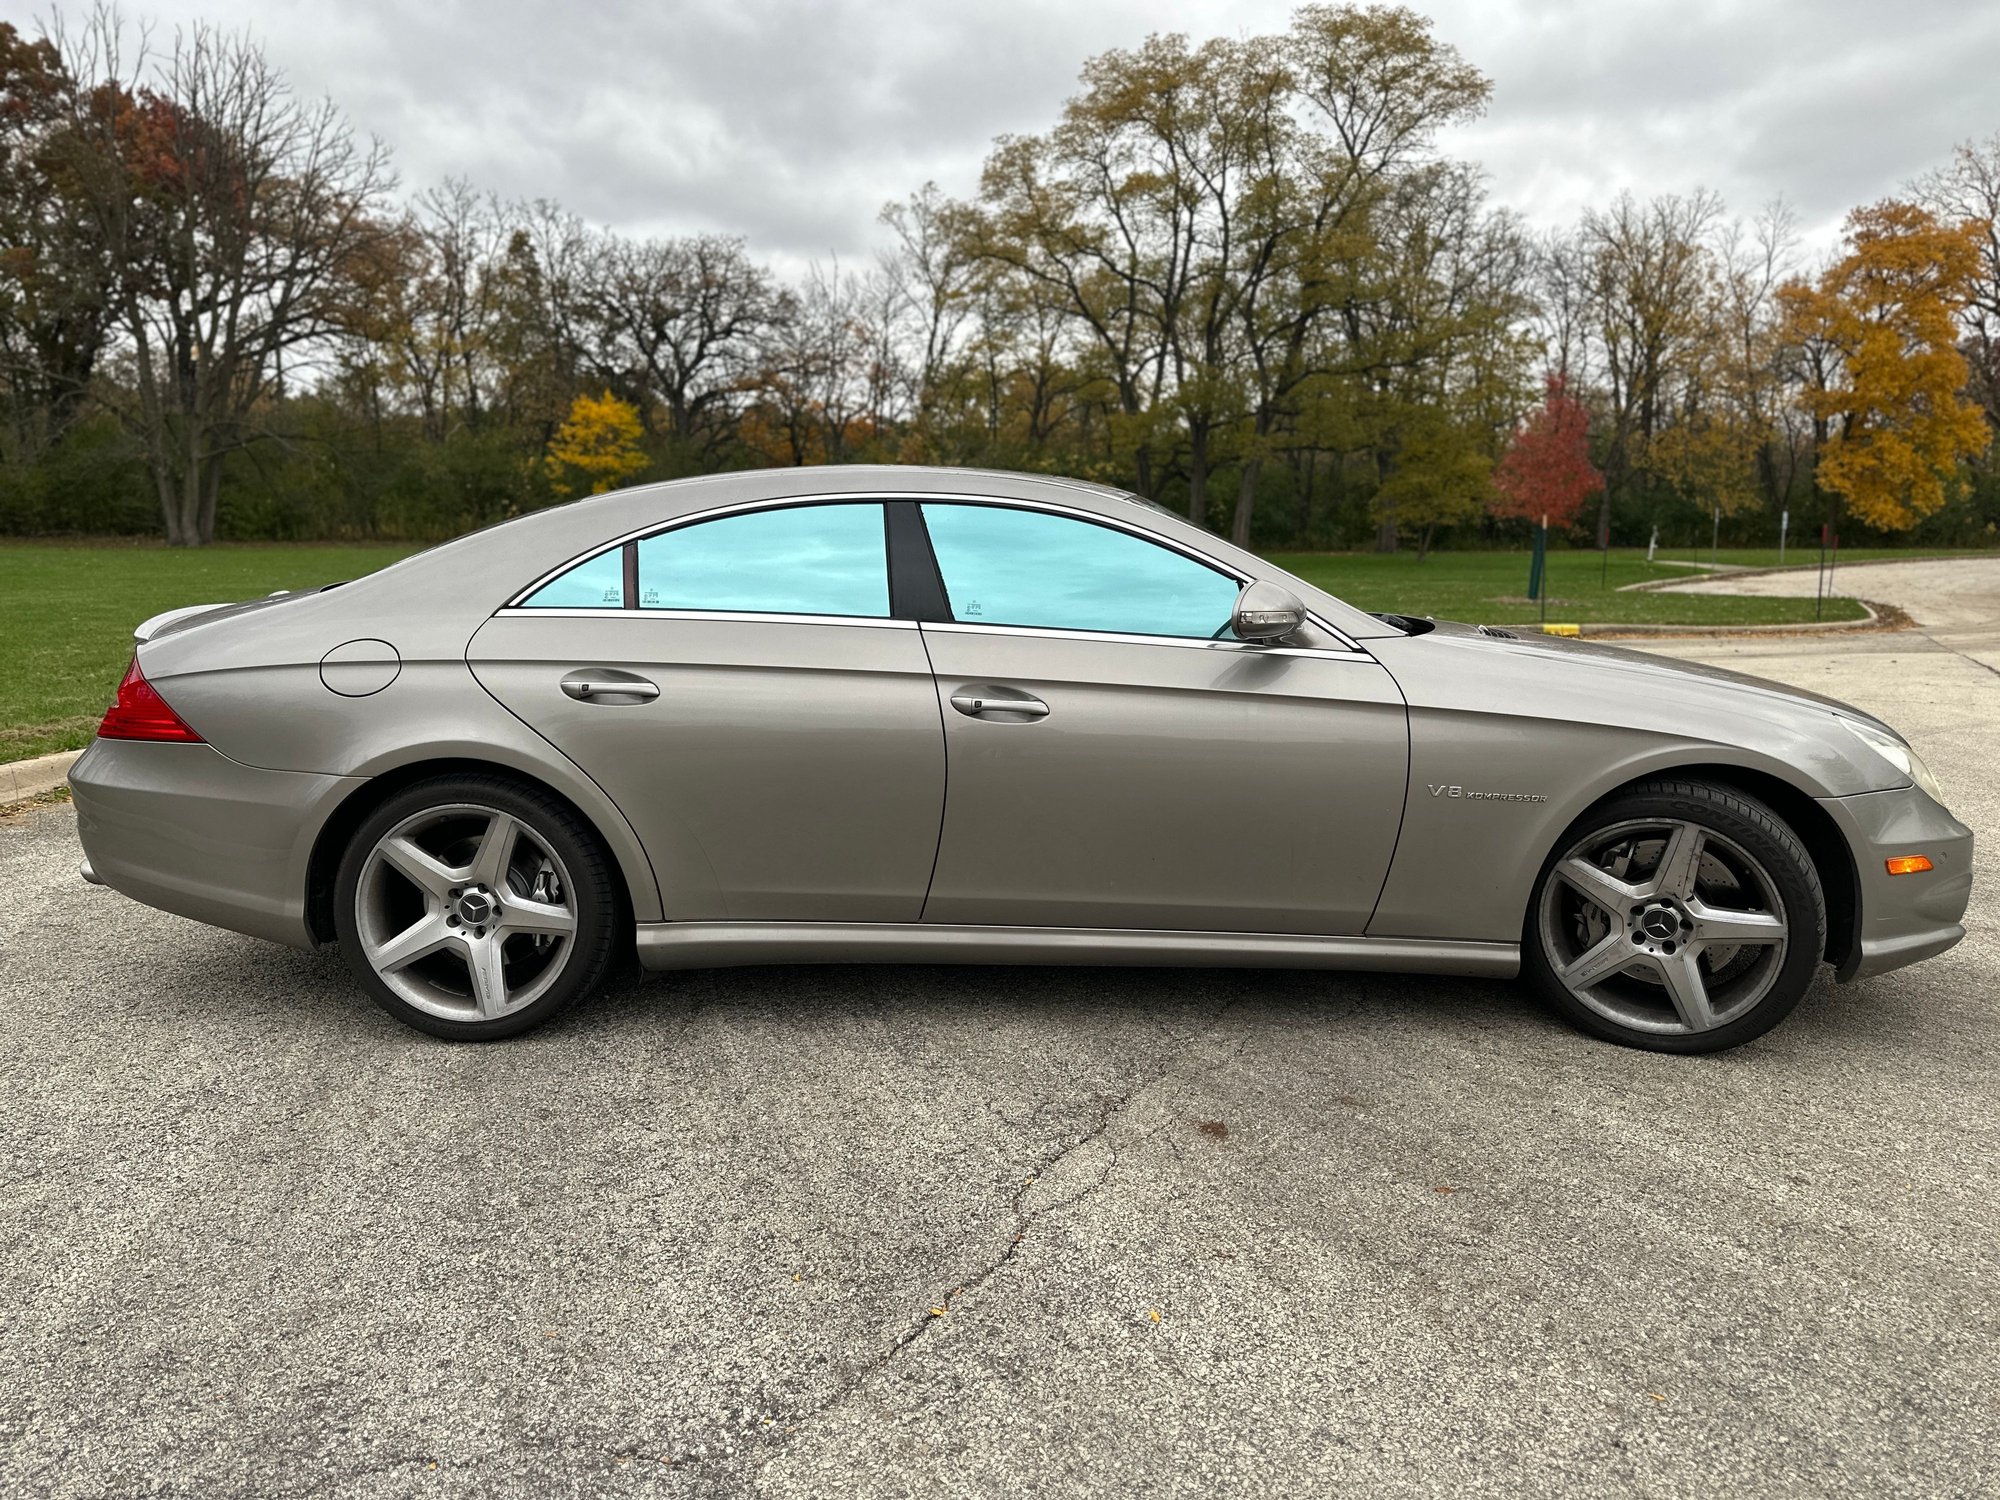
{"x":474,"y":908}
{"x":1680,"y":916}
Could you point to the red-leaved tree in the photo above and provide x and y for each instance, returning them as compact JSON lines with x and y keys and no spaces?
{"x":1546,"y":470}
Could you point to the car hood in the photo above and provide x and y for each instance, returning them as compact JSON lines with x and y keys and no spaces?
{"x":1466,"y":684}
{"x":1625,"y":664}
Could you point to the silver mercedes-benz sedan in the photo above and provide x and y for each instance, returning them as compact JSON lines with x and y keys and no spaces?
{"x":945,"y":716}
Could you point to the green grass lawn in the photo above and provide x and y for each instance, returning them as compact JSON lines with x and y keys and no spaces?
{"x":67,"y":611}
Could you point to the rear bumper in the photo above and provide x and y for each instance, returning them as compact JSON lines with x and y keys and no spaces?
{"x":1903,"y":918}
{"x":188,"y":830}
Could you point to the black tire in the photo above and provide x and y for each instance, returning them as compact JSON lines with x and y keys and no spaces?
{"x":1755,"y":830}
{"x":592,"y":890}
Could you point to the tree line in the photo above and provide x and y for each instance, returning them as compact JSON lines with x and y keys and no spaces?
{"x":1239,"y":276}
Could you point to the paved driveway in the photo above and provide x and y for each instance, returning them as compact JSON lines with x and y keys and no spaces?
{"x":1952,"y":595}
{"x":1201,"y":1233}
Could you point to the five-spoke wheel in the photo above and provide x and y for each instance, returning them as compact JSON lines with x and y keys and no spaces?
{"x":473,"y":907}
{"x":1680,"y":916}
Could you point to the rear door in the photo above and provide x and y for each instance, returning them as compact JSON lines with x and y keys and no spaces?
{"x":1117,"y":759}
{"x":738,"y":686}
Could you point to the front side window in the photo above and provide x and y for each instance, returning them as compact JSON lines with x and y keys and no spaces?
{"x":1026,"y":567}
{"x":798,"y":560}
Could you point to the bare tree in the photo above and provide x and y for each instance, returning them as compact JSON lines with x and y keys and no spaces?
{"x":823,"y":386}
{"x":933,"y":268}
{"x":552,"y":333}
{"x":1652,"y":294}
{"x":235,"y":214}
{"x":686,"y":318}
{"x":1968,"y":190}
{"x":1755,"y":261}
{"x":1563,"y":314}
{"x":445,"y":334}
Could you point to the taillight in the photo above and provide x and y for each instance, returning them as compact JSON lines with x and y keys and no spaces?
{"x":140,"y":713}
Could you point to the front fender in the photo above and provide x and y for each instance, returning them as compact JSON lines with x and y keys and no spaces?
{"x":1511,"y":740}
{"x":1489,"y":796}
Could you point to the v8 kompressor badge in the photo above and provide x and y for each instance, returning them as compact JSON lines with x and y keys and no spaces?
{"x":1443,"y":790}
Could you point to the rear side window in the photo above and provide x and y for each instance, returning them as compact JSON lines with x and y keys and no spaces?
{"x":596,"y":584}
{"x":1027,"y":567}
{"x":799,"y":560}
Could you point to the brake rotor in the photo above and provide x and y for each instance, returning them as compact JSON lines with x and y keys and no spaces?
{"x":1592,"y":924}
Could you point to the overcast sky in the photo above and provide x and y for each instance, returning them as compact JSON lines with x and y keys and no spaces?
{"x":790,"y":122}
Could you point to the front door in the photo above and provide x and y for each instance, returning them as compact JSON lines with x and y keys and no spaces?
{"x":738,"y":688}
{"x":1117,"y":759}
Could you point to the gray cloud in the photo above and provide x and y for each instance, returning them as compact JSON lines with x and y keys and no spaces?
{"x":792,"y":121}
{"x":1829,"y":103}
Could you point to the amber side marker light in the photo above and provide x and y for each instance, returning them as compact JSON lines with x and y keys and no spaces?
{"x":1908,"y":864}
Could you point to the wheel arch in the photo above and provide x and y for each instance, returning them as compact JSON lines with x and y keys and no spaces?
{"x":331,"y":842}
{"x":1839,"y":878}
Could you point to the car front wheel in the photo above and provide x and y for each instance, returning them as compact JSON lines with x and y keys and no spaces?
{"x":1678,"y":916}
{"x":475,"y":908}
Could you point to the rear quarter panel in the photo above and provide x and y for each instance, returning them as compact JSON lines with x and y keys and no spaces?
{"x":253,"y":689}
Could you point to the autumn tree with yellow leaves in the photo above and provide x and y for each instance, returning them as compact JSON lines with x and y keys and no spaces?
{"x":597,"y":444}
{"x":1884,"y":384}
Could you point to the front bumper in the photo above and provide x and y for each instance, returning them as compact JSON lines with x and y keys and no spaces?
{"x":1903,"y":918}
{"x":188,"y":830}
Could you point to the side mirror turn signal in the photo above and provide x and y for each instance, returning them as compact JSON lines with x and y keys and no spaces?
{"x":1266,"y":613}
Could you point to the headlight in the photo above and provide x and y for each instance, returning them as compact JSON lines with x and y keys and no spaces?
{"x":1906,"y":761}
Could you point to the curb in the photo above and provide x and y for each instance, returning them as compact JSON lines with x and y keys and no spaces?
{"x":22,"y":779}
{"x":1881,"y":617}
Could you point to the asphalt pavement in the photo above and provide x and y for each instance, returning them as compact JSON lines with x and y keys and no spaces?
{"x":1192,"y":1233}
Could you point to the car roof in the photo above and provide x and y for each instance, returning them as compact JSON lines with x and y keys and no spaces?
{"x":433,"y":601}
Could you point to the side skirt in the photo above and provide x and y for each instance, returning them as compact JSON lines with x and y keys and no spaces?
{"x":714,"y":945}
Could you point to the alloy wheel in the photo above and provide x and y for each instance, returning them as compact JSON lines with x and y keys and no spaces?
{"x":465,"y":912}
{"x":1663,"y":925}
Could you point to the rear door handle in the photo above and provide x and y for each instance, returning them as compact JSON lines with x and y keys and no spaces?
{"x":976,"y":704}
{"x":609,"y":687}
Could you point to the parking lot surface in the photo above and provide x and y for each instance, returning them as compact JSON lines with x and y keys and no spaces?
{"x":928,"y":1231}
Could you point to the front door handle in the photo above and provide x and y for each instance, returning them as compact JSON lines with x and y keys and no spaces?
{"x":609,"y":687}
{"x":977,"y":704}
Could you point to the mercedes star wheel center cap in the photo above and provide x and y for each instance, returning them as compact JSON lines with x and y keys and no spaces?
{"x":1661,"y":924}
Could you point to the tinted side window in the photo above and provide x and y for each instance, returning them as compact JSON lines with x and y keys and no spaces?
{"x":1025,"y":567}
{"x":597,"y":583}
{"x":800,"y":560}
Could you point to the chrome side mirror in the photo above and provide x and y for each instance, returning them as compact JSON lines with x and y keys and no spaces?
{"x":1266,"y":613}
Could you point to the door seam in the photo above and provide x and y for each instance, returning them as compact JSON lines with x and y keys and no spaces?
{"x":944,"y":785}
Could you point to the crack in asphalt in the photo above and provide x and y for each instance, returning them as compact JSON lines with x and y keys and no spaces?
{"x":1110,"y":1109}
{"x":1961,"y":655}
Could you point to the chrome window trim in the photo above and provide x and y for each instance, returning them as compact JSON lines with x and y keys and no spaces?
{"x":734,"y":616}
{"x":1182,"y":642}
{"x":1079,"y":513}
{"x":921,"y":497}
